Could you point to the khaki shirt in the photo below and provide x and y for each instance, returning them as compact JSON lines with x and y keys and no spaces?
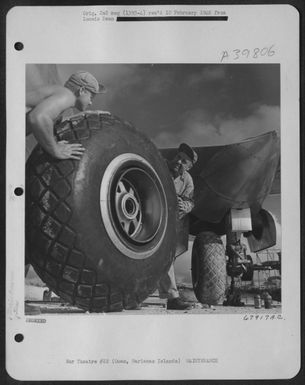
{"x":185,"y":188}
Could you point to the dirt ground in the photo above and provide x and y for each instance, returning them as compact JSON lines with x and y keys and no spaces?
{"x":34,"y":305}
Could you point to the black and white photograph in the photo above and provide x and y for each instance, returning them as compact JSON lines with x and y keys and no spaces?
{"x":152,"y":182}
{"x":154,"y":188}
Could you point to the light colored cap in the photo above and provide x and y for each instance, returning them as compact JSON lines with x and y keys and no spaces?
{"x":86,"y":80}
{"x":188,"y":151}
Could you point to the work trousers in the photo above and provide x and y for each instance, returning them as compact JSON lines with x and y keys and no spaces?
{"x":167,"y":285}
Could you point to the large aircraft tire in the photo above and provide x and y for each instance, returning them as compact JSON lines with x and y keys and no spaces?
{"x":101,"y":232}
{"x":208,"y":268}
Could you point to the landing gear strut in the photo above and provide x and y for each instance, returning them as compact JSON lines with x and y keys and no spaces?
{"x":238,"y":265}
{"x":233,"y":296}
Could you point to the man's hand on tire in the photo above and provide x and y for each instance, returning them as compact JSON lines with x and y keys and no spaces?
{"x":66,"y":150}
{"x":182,"y":209}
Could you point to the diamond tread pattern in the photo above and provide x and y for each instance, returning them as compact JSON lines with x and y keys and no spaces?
{"x":209,"y":268}
{"x":52,"y":244}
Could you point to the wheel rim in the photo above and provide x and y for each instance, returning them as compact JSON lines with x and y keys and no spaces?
{"x":133,"y":206}
{"x":139,"y":216}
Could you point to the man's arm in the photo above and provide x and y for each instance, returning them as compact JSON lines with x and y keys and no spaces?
{"x":41,"y":120}
{"x":185,"y":206}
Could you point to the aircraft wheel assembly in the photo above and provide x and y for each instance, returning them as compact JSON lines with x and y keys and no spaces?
{"x":101,"y":231}
{"x":209,"y":268}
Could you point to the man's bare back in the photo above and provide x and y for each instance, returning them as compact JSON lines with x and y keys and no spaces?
{"x":33,"y":98}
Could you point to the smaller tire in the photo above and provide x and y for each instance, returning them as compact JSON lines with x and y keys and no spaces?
{"x":209,"y":268}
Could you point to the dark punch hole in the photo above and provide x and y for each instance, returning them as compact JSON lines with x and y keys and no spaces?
{"x":18,"y":191}
{"x":18,"y":46}
{"x":19,"y":337}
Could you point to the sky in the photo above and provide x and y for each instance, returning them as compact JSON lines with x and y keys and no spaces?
{"x":201,"y":104}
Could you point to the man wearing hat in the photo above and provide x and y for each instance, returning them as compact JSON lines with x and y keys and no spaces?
{"x":46,"y":104}
{"x":179,"y":166}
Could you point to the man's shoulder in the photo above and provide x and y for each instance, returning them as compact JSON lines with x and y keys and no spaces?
{"x":51,"y":100}
{"x":61,"y":90}
{"x":187,"y":177}
{"x":62,"y":96}
{"x":50,"y":90}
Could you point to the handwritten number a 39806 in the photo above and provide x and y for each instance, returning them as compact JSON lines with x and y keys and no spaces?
{"x":246,"y":53}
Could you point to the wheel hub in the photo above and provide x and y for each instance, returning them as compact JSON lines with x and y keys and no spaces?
{"x":128,"y":208}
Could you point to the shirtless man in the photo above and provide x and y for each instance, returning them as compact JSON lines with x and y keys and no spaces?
{"x":45,"y":104}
